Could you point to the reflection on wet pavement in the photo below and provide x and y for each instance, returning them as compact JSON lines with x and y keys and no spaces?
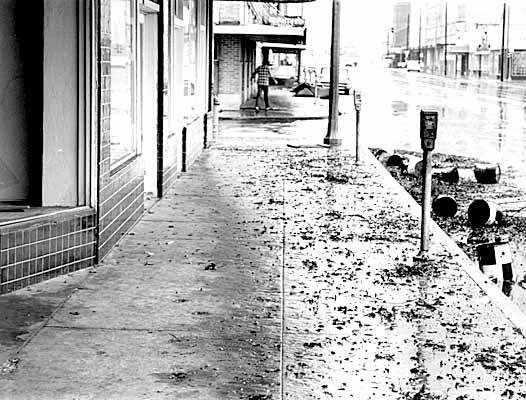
{"x":477,"y":119}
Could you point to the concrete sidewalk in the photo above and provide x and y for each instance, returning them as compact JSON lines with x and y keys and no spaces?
{"x":268,"y":272}
{"x":284,"y":106}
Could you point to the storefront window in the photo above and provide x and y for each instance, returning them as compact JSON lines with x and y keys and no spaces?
{"x":122,"y":120}
{"x":166,"y":63}
{"x":190,"y":56}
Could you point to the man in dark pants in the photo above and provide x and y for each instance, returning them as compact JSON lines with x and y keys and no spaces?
{"x":264,"y":76}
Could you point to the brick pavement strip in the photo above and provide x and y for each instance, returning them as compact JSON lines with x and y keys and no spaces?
{"x":189,"y":304}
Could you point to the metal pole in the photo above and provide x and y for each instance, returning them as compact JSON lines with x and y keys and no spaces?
{"x":315,"y":87}
{"x":420,"y":36}
{"x":445,"y":43}
{"x":508,"y":59}
{"x":332,"y":132}
{"x":357,"y":136}
{"x":426,"y":204}
{"x":388,"y":41}
{"x":298,"y":58}
{"x":502,"y":51}
{"x":407,"y":34}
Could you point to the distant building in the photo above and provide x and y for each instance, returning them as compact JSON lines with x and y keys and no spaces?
{"x":401,"y":24}
{"x":464,"y":38}
{"x":400,"y":30}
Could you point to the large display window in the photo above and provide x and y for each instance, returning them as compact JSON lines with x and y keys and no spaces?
{"x":190,"y":87}
{"x":123,"y":82}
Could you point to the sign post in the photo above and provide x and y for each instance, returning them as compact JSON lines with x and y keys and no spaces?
{"x":315,"y":87}
{"x":428,"y":134}
{"x":357,"y":107}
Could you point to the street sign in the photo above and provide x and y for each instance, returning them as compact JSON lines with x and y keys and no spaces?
{"x":357,"y":100}
{"x":428,"y":129}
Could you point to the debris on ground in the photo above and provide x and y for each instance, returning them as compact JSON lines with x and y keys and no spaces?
{"x":510,"y":218}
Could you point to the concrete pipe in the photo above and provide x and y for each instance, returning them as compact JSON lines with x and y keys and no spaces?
{"x":445,"y":206}
{"x":414,"y":166}
{"x":482,"y":212}
{"x":382,"y":156}
{"x":487,"y":174}
{"x":448,"y":176}
{"x":395,"y":161}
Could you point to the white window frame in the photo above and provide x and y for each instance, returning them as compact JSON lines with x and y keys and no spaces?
{"x":116,"y":166}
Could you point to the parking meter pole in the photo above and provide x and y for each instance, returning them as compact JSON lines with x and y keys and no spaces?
{"x":357,"y":136}
{"x":426,"y":205}
{"x":331,"y":138}
{"x":428,"y":135}
{"x":357,"y":107}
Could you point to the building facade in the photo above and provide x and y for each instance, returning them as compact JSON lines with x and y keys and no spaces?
{"x":468,"y":39}
{"x":400,"y":31}
{"x":102,"y":109}
{"x":246,"y":33}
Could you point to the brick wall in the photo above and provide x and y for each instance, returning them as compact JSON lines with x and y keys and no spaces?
{"x":46,"y":247}
{"x":235,"y":63}
{"x":229,"y":64}
{"x":121,"y":193}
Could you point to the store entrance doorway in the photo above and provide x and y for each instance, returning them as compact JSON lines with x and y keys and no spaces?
{"x":148,"y":101}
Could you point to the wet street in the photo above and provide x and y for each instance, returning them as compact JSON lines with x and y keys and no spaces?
{"x":484,"y":119}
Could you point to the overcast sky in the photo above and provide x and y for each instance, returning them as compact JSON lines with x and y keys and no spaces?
{"x":363,"y":26}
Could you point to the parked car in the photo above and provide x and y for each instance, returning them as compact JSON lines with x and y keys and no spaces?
{"x":414,"y":65}
{"x":324,"y":79}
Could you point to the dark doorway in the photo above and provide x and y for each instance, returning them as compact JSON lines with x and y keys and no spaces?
{"x":21,"y":105}
{"x":464,"y":65}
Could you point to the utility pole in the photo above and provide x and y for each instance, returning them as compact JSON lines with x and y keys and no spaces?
{"x":420,"y":35}
{"x":502,"y":50}
{"x":390,"y":30}
{"x":407,"y":34}
{"x":508,"y":59}
{"x":332,"y":132}
{"x":445,"y":43}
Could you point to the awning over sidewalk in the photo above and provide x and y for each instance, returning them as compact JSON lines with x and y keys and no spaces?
{"x":265,"y":33}
{"x":284,"y":47}
{"x":275,"y":1}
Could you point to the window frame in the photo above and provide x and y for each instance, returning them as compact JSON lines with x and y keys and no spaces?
{"x":117,"y":165}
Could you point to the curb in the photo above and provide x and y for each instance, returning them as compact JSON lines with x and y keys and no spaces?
{"x":510,"y":310}
{"x":273,"y":119}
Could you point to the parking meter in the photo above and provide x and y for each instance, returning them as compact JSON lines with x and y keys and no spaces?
{"x":357,"y":100}
{"x":428,"y":129}
{"x":428,"y":135}
{"x":357,"y":107}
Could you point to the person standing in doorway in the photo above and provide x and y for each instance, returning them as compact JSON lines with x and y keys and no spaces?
{"x":263,"y":81}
